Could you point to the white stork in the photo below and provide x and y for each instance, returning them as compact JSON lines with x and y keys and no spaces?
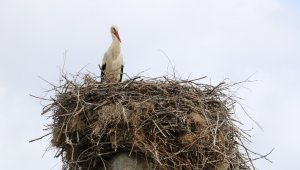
{"x":112,"y":63}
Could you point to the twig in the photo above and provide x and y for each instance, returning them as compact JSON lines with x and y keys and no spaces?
{"x":40,"y":137}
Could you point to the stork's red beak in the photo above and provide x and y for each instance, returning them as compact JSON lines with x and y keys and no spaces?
{"x":117,"y":35}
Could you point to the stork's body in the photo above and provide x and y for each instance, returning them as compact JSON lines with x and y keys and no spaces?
{"x":112,"y":63}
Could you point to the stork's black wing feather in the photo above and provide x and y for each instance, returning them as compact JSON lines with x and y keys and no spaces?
{"x":103,"y":67}
{"x":121,"y":74}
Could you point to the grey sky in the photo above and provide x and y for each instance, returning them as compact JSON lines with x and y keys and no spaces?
{"x":214,"y":38}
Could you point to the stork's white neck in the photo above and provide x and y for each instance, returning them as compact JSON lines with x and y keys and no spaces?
{"x":116,"y":42}
{"x":115,"y":47}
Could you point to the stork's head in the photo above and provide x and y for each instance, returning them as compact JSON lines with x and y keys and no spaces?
{"x":115,"y":33}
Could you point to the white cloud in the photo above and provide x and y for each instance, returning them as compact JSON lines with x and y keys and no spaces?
{"x":20,"y":122}
{"x":216,"y":38}
{"x":274,"y":105}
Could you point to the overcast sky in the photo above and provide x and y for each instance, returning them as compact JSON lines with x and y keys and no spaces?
{"x":215,"y":38}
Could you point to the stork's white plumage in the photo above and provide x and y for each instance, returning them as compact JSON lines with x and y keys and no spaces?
{"x":112,"y":63}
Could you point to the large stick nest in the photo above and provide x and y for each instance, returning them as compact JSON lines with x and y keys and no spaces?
{"x":175,"y":124}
